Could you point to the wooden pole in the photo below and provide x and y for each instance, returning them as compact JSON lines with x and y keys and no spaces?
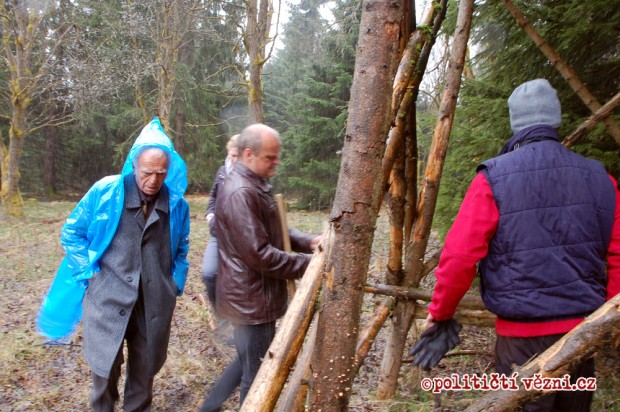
{"x":465,"y":316}
{"x":371,"y":330}
{"x":468,"y":301}
{"x":292,"y":286}
{"x":589,"y":124}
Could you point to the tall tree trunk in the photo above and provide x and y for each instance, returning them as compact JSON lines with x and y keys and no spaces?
{"x":259,"y":13}
{"x":28,"y":64}
{"x":354,"y":212}
{"x":18,"y":41}
{"x":565,"y":70}
{"x":12,"y":200}
{"x":49,"y":160}
{"x":180,"y":115}
{"x":414,"y":267}
{"x":179,"y":129}
{"x":411,"y":173}
{"x":167,"y":59}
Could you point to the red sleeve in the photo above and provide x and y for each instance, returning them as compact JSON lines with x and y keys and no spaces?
{"x":613,"y":252}
{"x":467,"y":243}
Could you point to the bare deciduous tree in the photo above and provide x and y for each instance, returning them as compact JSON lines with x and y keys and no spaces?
{"x":29,"y":57}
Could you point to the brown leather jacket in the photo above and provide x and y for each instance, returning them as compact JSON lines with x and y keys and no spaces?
{"x":253,"y":268}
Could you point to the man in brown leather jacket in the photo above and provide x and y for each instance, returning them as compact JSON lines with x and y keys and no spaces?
{"x":251,"y":289}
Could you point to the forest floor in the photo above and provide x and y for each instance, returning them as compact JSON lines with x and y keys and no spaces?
{"x":38,"y":377}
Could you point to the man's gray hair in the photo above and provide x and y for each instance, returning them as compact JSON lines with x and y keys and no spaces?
{"x":137,"y":156}
{"x":250,"y":137}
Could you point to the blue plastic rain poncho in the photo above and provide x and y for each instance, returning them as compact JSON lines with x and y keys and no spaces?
{"x":89,"y":229}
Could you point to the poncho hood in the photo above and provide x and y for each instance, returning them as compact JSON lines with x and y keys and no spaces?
{"x":153,"y":135}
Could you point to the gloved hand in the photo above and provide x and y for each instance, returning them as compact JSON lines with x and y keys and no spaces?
{"x":435,"y":342}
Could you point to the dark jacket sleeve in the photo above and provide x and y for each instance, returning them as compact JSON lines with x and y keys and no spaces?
{"x":300,"y":242}
{"x":253,"y":244}
{"x":219,"y":177}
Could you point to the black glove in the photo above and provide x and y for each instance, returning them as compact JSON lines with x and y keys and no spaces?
{"x":435,"y":342}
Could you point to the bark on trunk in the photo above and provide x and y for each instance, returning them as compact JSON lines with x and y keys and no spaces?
{"x":396,"y":212}
{"x":18,"y":31}
{"x":179,"y":129}
{"x":565,"y":70}
{"x":411,"y":173}
{"x":404,"y":311}
{"x":354,"y":212}
{"x":599,"y":329}
{"x":293,"y":398}
{"x":282,"y":353}
{"x":12,"y":201}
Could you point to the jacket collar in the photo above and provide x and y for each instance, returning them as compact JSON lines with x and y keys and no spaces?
{"x":262,"y":184}
{"x":530,"y":134}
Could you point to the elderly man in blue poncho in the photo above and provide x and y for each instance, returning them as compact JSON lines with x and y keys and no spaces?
{"x":126,"y":245}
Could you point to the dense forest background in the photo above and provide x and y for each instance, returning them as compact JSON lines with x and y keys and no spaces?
{"x":100,"y":67}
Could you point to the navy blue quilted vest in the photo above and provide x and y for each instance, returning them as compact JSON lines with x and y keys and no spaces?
{"x":547,"y":259}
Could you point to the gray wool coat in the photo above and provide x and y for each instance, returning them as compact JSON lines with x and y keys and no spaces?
{"x":139,"y":256}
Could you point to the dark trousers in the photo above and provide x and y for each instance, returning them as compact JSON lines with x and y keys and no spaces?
{"x":138,"y":385}
{"x":252,"y":342}
{"x":517,"y":351}
{"x":210,"y":286}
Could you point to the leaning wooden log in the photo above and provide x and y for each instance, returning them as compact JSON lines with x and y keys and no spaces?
{"x":589,"y":124}
{"x":286,"y":240}
{"x":409,"y":59}
{"x":468,"y":301}
{"x":431,"y":263}
{"x":565,"y":70}
{"x":282,"y":353}
{"x":465,"y":315}
{"x":370,"y":331}
{"x":294,"y":393}
{"x":293,"y":398}
{"x":599,"y":329}
{"x":403,"y":97}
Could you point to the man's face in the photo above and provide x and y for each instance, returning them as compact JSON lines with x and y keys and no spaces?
{"x":264,"y":162}
{"x":151,"y":170}
{"x":233,"y":153}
